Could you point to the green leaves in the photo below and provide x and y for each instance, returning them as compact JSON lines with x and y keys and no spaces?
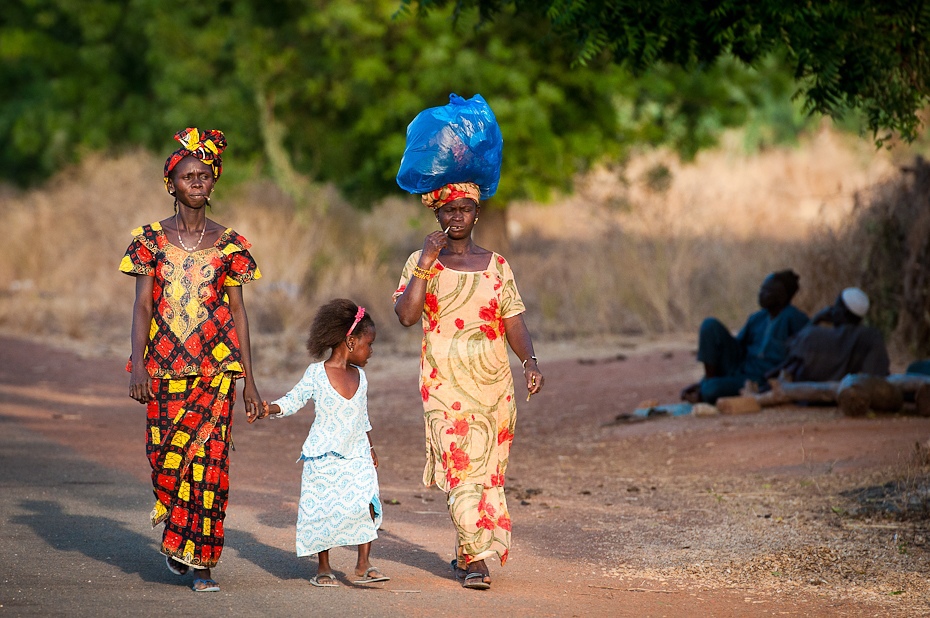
{"x":325,"y":90}
{"x":872,"y":56}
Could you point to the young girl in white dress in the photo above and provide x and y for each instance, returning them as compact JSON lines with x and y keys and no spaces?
{"x":339,"y":503}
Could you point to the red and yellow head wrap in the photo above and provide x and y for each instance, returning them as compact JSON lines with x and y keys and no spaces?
{"x":205,"y":145}
{"x":444,"y":195}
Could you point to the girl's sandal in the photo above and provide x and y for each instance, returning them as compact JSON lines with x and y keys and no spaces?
{"x":324,"y":580}
{"x":368,"y":578}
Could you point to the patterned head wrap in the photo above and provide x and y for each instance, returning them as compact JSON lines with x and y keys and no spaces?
{"x":205,"y":145}
{"x":444,"y":195}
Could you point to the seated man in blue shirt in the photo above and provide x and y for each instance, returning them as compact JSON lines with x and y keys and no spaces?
{"x":760,"y":346}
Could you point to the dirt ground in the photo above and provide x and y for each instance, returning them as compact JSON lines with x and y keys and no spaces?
{"x":784,"y":512}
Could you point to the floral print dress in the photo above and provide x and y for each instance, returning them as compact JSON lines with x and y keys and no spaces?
{"x":468,"y":398}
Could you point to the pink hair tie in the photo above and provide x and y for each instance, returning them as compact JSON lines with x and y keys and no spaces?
{"x":358,"y":318}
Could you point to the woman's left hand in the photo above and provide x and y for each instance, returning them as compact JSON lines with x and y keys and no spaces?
{"x":253,"y":401}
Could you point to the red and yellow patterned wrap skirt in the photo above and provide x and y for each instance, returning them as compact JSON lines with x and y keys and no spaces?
{"x":187,"y":444}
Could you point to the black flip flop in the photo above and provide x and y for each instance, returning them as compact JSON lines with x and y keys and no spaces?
{"x":475,"y":581}
{"x":457,"y":573}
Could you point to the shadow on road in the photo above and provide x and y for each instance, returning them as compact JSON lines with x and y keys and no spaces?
{"x":412,"y":554}
{"x":98,"y":538}
{"x":273,"y":560}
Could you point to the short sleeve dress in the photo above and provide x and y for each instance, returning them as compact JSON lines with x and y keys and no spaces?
{"x":339,"y":484}
{"x":468,"y":397}
{"x":194,"y":359}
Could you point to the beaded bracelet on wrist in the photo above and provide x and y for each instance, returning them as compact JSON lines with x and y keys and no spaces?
{"x":421,"y":273}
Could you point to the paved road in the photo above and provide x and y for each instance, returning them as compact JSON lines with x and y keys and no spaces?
{"x":74,"y":537}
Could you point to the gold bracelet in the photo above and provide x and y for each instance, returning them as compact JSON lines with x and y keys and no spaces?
{"x":421,"y":273}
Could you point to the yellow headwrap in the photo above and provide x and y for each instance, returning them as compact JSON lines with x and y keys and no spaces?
{"x":204,"y":145}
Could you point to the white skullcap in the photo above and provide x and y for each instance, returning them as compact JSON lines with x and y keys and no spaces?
{"x":856,"y":301}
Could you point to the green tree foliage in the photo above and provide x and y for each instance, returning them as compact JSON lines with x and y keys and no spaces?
{"x":326,"y":89}
{"x":871,"y":55}
{"x":70,"y":81}
{"x":331,"y":88}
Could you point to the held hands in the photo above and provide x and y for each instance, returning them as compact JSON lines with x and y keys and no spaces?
{"x":266,"y":410}
{"x":432,"y":245}
{"x":253,"y":401}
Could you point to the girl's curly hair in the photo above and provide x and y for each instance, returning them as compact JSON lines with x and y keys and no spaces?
{"x":331,"y":326}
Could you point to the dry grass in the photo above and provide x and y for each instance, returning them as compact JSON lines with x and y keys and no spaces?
{"x":659,"y":245}
{"x":651,"y":249}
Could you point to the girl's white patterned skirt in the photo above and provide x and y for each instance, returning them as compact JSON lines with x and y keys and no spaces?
{"x":335,"y":495}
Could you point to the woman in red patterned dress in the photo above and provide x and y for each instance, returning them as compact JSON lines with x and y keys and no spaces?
{"x":190,"y":342}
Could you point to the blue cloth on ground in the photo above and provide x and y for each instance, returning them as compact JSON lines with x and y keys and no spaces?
{"x":921,"y":367}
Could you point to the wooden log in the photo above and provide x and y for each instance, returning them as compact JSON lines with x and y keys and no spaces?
{"x":909,"y":383}
{"x":814,"y":392}
{"x":746,"y":404}
{"x":922,"y":400}
{"x":796,"y":392}
{"x":860,"y":393}
{"x":856,"y":394}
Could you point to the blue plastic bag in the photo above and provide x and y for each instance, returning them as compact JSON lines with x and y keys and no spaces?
{"x":458,"y":142}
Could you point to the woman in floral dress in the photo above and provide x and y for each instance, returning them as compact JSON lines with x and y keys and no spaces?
{"x":190,"y":343}
{"x":468,"y":302}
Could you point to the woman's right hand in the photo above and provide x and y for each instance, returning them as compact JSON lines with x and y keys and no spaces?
{"x":265,"y":411}
{"x":432,"y":246}
{"x":140,"y":385}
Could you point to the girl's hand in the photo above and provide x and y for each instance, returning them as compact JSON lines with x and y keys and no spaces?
{"x":374,"y":457}
{"x":432,"y":245}
{"x":140,"y":385}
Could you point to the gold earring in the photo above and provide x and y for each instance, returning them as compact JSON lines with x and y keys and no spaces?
{"x":476,"y":220}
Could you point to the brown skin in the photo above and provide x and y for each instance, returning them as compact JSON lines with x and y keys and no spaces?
{"x":342,"y":370}
{"x":457,"y":251}
{"x":191,"y":182}
{"x":773,"y":297}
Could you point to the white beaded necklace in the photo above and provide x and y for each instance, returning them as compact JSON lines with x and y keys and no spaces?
{"x":185,"y":247}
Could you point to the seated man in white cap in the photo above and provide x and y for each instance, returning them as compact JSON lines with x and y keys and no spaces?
{"x":828,"y":353}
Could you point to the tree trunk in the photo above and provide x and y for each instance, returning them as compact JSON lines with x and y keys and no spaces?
{"x":791,"y":392}
{"x":491,"y":230}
